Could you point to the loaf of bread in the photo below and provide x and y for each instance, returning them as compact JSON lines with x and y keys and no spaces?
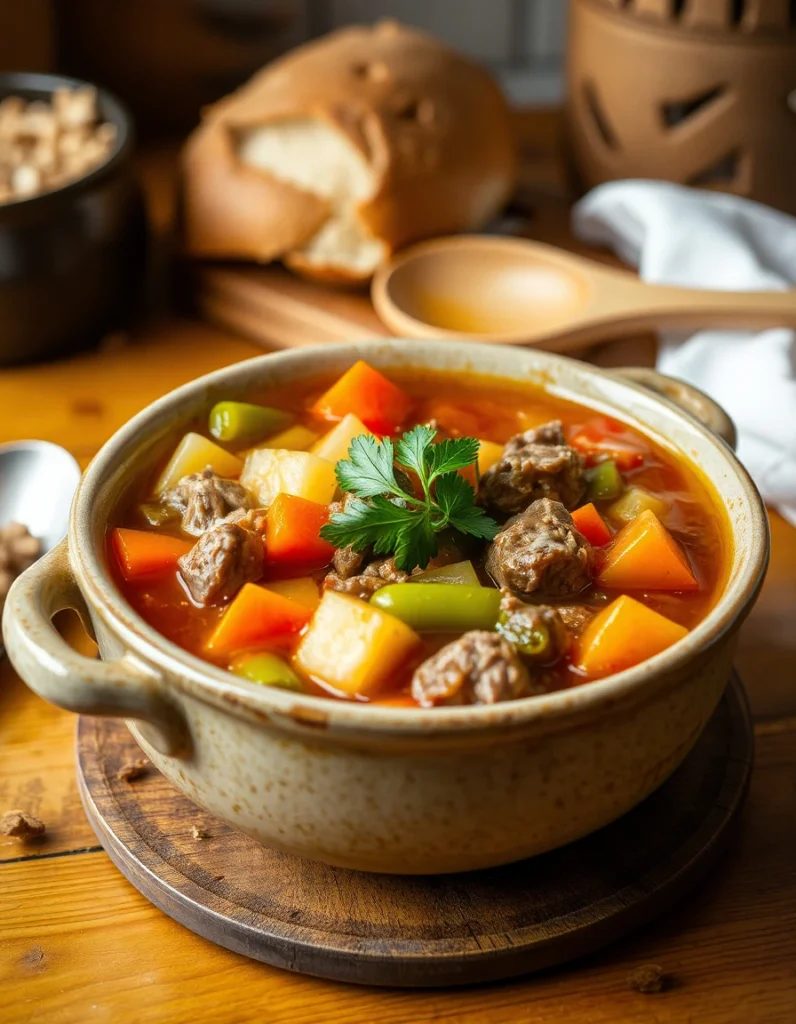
{"x":346,"y":149}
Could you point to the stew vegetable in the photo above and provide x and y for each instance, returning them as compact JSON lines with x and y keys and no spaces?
{"x":369,"y":540}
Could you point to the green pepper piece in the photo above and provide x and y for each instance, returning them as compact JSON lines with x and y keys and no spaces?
{"x":242,"y":423}
{"x":460,"y":573}
{"x":605,"y":481}
{"x":529,"y":635}
{"x":268,"y":670}
{"x":439,"y":607}
{"x":156,"y":513}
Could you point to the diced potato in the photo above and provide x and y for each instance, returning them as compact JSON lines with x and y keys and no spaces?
{"x":633,"y":502}
{"x":334,"y":446}
{"x":354,"y":647}
{"x":303,"y":590}
{"x":192,"y":455}
{"x":461,"y":573}
{"x":488,"y":454}
{"x":271,"y":471}
{"x":294,"y":439}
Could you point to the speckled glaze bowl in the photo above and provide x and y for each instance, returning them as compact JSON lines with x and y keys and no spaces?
{"x":380,"y":788}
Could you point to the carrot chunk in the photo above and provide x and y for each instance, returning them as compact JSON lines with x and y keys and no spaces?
{"x":257,"y":618}
{"x":645,"y":556}
{"x":368,"y":394}
{"x":624,"y":634}
{"x":292,"y":529}
{"x":590,"y":523}
{"x":142,"y":553}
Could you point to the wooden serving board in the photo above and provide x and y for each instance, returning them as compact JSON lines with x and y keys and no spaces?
{"x":416,"y":931}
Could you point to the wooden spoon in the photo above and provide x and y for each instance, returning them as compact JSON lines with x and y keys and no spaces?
{"x":518,"y":292}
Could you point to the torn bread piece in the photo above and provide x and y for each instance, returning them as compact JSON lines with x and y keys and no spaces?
{"x":346,"y":149}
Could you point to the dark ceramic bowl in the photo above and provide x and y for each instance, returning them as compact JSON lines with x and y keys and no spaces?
{"x":71,"y":261}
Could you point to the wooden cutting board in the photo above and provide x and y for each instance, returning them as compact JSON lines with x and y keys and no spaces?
{"x":280,"y":310}
{"x":416,"y":931}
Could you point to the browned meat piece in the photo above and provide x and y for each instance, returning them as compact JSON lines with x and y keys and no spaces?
{"x":576,"y":617}
{"x":205,"y":499}
{"x":536,"y":464}
{"x":346,"y":561}
{"x":536,"y":630}
{"x":221,"y":561}
{"x":250,"y":519}
{"x":540,"y":554}
{"x":478,"y":668}
{"x":374,"y":576}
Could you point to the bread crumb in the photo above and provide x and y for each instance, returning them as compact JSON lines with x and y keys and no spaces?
{"x":21,"y":825}
{"x":133,"y":770}
{"x":649,"y":979}
{"x":199,"y":833}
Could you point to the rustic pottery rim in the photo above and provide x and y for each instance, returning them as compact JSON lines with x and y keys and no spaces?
{"x":216,"y":686}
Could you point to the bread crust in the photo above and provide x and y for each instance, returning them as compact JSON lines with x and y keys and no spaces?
{"x":433,"y":126}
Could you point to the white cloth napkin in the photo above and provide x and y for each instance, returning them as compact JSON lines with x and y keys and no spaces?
{"x":682,"y":236}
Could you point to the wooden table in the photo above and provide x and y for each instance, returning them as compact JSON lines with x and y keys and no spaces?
{"x":79,"y":944}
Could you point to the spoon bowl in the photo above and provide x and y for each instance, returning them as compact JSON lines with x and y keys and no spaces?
{"x":37,"y":482}
{"x":517,"y":292}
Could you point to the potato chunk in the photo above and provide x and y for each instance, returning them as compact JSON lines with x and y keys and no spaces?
{"x":193,"y":454}
{"x":334,"y":446}
{"x":353,"y":646}
{"x":271,"y":471}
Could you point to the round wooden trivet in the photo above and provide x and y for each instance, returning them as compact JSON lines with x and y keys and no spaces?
{"x":416,"y":931}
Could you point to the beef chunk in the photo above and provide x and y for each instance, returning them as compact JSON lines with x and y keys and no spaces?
{"x":221,"y":561}
{"x":536,"y":464}
{"x":253,"y":519}
{"x":205,"y":499}
{"x":576,"y":617}
{"x":363,"y":585}
{"x":346,"y":561}
{"x":536,"y":630}
{"x":540,"y":554}
{"x":478,"y":668}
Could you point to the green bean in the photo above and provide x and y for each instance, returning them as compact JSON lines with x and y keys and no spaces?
{"x":605,"y":481}
{"x":268,"y":670}
{"x":242,"y":423}
{"x":440,"y":607}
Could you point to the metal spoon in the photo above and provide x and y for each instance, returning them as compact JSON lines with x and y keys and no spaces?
{"x":37,"y":482}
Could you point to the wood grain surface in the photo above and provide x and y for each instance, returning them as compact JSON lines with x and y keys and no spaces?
{"x":79,"y":944}
{"x":416,"y":931}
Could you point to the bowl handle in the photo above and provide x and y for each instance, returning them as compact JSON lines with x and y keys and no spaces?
{"x":690,"y":399}
{"x":124,"y":688}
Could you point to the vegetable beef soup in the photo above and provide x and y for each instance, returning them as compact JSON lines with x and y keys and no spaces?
{"x":423,"y":540}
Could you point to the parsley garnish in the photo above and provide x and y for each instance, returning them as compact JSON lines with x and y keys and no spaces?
{"x":386,"y":516}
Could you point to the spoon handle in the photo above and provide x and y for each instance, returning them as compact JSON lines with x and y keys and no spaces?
{"x":634,"y":304}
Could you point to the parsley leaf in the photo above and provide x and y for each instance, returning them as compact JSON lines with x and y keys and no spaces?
{"x":393,"y":519}
{"x":362,"y":524}
{"x":456,"y":498}
{"x":416,"y":545}
{"x":412,"y":448}
{"x":368,"y":471}
{"x":450,"y":455}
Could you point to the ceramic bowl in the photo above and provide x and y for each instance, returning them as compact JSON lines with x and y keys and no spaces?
{"x":380,"y":788}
